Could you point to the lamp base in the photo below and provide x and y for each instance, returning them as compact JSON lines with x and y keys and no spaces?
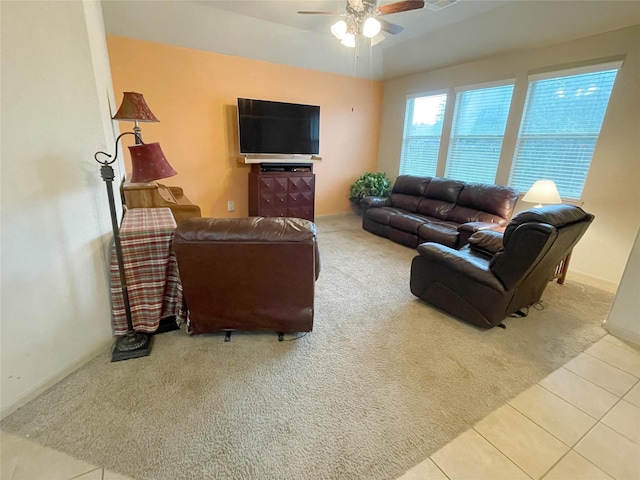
{"x":129,"y":346}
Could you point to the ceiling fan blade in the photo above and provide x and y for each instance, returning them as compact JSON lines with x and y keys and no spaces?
{"x":320,"y":13}
{"x":389,"y":27}
{"x":398,"y":7}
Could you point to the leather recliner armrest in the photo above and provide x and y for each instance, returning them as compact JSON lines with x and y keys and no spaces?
{"x":465,"y":230}
{"x":461,"y":261}
{"x":488,"y":242}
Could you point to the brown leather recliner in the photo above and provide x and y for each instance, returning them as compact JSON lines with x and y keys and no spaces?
{"x":248,"y":273}
{"x":495,"y":276}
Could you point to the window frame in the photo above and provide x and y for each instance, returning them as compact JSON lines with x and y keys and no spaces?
{"x":414,"y":96}
{"x":556,"y":74}
{"x":511,"y":81}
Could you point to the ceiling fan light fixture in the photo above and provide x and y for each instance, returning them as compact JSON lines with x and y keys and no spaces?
{"x":371,"y":27}
{"x":339,"y":29}
{"x":349,"y":40}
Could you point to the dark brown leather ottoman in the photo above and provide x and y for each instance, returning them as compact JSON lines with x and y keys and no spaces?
{"x":248,"y":273}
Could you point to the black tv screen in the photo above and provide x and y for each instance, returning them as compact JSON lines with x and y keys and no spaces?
{"x":278,"y":128}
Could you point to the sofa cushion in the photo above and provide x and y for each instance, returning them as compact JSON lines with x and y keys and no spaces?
{"x":410,"y":185}
{"x":461,"y":214}
{"x":440,"y":197}
{"x":407,"y":223}
{"x":439,"y":232}
{"x":404,"y":201}
{"x":444,"y":189}
{"x":375,"y":227}
{"x":383,"y":215}
{"x":435,"y":208}
{"x":484,"y":203}
{"x":403,"y":238}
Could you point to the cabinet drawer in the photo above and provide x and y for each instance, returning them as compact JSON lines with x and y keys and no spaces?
{"x":280,"y":194}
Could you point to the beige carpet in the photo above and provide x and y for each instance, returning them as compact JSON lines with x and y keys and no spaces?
{"x":382,"y":382}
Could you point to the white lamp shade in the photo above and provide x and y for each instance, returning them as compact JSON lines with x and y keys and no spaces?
{"x":349,"y":40}
{"x":371,"y":27}
{"x":543,"y":191}
{"x":339,"y":29}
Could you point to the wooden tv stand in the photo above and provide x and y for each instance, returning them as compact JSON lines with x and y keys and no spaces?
{"x":282,"y":190}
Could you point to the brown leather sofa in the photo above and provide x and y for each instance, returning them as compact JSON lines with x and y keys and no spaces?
{"x":434,"y":209}
{"x":495,"y":276}
{"x":248,"y":273}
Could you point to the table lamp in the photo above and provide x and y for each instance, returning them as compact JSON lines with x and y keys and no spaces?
{"x":149,"y":163}
{"x":133,"y":107}
{"x":543,"y":191}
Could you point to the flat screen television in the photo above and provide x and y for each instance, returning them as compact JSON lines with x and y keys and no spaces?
{"x":267,"y":127}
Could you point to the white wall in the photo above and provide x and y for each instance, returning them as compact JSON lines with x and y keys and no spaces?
{"x":624,"y":317}
{"x":611,"y":191}
{"x":55,"y":310}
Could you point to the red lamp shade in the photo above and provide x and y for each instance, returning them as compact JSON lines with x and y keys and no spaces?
{"x":149,"y":163}
{"x":134,"y":107}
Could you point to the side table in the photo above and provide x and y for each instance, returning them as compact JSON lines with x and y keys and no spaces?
{"x":151,"y":269}
{"x":561,"y":269}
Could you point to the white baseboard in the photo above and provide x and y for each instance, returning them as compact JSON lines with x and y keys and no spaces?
{"x":53,"y":379}
{"x":622,"y":333}
{"x":592,"y":280}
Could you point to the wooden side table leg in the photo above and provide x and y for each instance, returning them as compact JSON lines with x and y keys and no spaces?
{"x":562,"y":274}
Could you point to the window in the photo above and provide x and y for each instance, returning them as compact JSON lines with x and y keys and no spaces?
{"x":479,"y":121}
{"x":561,"y":123}
{"x":421,"y":138}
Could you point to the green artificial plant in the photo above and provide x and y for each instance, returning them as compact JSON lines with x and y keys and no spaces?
{"x":370,"y":184}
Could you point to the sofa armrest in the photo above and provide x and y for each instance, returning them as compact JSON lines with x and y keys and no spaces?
{"x":463,"y":262}
{"x":369,"y":202}
{"x":465,"y":230}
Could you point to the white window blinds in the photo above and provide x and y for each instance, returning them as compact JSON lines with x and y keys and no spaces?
{"x":421,"y":138}
{"x":479,"y":121}
{"x":560,"y":127}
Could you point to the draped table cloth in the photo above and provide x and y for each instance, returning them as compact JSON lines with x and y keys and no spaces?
{"x":151,"y":271}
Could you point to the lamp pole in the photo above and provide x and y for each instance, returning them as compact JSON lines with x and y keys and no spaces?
{"x":132,"y":344}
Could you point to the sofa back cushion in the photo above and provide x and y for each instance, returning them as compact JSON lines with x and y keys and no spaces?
{"x":484,"y":203}
{"x":410,"y":185}
{"x":440,"y":197}
{"x":407,"y":191}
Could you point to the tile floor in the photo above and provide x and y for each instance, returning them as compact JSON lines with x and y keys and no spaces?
{"x":581,"y":422}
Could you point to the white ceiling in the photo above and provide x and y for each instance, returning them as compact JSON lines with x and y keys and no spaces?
{"x":272,"y":30}
{"x":415,"y":22}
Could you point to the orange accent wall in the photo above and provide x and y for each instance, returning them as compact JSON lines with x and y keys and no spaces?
{"x":194,"y":93}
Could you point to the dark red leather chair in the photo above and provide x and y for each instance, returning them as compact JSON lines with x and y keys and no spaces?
{"x":248,"y":273}
{"x":495,"y":276}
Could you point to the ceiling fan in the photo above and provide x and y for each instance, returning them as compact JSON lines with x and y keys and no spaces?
{"x":362,"y":17}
